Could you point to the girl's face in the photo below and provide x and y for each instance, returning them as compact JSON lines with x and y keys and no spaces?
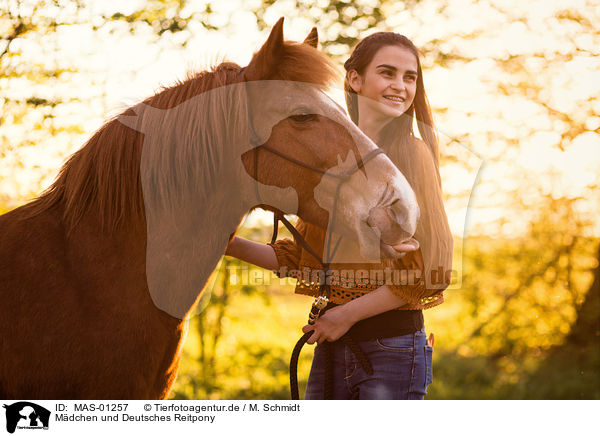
{"x":389,"y":82}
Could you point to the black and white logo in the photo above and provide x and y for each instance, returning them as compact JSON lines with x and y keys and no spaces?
{"x":26,"y":415}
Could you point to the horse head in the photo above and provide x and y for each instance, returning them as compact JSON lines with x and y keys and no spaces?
{"x":268,"y":135}
{"x":375,"y":206}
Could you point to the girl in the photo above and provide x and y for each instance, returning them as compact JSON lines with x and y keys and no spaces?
{"x":384,"y":94}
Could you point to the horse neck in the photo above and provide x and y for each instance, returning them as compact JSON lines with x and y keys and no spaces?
{"x":184,"y":249}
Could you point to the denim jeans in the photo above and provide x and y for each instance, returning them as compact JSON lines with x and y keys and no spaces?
{"x":401,"y":370}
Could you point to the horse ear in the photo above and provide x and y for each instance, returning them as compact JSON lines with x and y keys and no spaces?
{"x":313,"y":38}
{"x":266,"y":60}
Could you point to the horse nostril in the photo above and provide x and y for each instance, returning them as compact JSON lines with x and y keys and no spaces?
{"x":392,"y":214}
{"x":397,"y":212}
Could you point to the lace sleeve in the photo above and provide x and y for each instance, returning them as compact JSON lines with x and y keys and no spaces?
{"x":288,"y":252}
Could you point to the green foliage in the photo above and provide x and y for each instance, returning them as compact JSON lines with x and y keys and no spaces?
{"x":570,"y":373}
{"x":538,"y":376}
{"x":340,"y":22}
{"x":166,"y":16}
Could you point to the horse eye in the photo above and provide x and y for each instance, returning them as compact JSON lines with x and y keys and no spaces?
{"x":303,"y":118}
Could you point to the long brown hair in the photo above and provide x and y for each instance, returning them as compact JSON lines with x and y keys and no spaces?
{"x":418,"y":161}
{"x":400,"y":129}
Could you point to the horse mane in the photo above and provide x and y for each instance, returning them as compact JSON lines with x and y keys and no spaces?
{"x":104,"y":176}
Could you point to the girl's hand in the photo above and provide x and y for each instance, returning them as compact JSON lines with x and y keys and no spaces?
{"x":330,"y":326}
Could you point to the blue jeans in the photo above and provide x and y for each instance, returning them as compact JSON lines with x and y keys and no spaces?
{"x":401,"y":370}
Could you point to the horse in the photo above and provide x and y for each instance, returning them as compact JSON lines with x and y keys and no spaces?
{"x":99,"y":274}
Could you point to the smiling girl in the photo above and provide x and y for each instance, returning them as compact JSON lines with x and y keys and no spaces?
{"x":384,"y":94}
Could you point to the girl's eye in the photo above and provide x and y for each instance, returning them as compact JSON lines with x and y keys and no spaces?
{"x":387,"y":73}
{"x":411,"y":78}
{"x":303,"y":118}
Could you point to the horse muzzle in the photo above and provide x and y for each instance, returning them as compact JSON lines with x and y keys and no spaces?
{"x":395,"y":238}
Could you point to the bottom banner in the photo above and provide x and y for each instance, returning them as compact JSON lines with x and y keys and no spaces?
{"x":296,"y":417}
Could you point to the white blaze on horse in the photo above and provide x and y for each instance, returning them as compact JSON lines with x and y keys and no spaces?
{"x":98,"y":274}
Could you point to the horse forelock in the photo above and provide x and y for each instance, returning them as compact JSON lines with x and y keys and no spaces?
{"x":303,"y":63}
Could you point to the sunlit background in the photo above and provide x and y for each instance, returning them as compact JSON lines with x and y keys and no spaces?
{"x":514,"y":87}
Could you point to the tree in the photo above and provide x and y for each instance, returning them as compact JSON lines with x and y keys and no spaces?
{"x":585,"y":332}
{"x":44,"y":113}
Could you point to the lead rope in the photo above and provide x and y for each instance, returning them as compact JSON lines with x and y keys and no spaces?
{"x":318,"y":308}
{"x":360,"y":355}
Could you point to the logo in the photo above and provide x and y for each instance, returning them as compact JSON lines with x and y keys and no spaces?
{"x":26,"y":415}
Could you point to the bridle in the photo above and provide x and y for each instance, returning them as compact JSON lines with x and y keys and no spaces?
{"x":343,"y":177}
{"x":320,"y":303}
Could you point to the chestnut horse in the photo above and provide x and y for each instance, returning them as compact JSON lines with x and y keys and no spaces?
{"x":99,"y":274}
